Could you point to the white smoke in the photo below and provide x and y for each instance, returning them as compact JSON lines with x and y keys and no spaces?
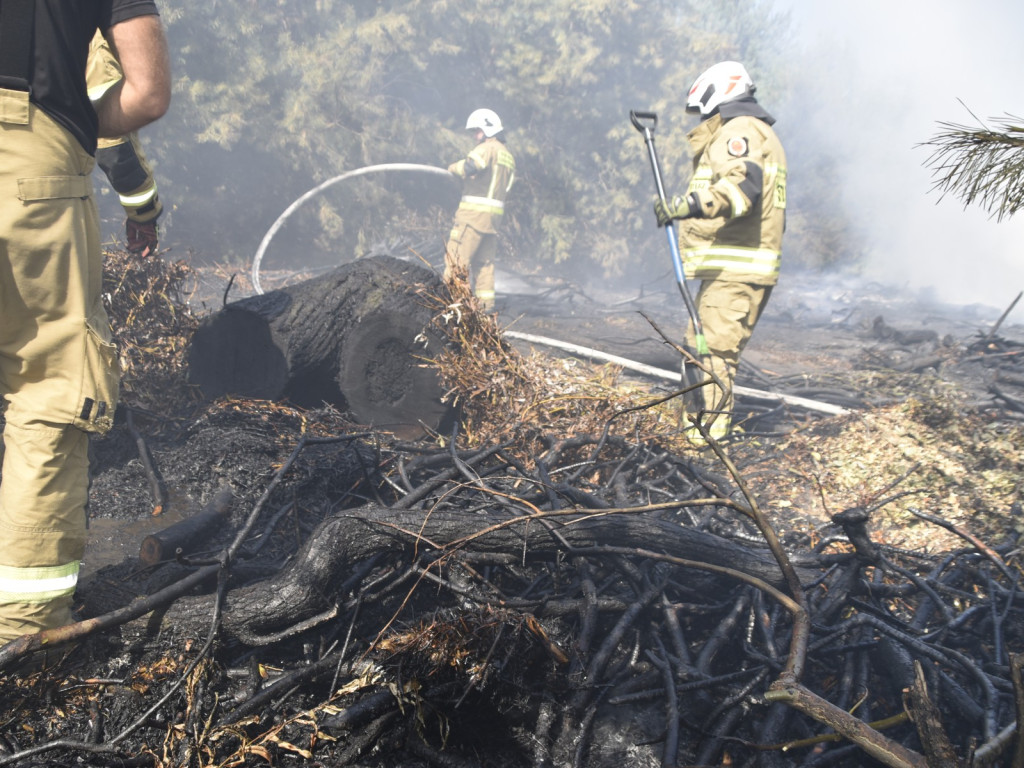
{"x":887,"y":74}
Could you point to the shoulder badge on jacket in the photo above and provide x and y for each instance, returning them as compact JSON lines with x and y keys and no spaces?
{"x":737,"y":146}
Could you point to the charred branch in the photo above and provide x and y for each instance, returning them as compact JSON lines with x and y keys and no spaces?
{"x":182,"y":539}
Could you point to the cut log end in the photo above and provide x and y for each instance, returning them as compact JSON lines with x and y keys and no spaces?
{"x":151,"y":551}
{"x":386,"y":377}
{"x":355,"y":338}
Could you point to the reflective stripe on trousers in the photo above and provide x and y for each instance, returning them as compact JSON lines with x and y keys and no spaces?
{"x":35,"y":585}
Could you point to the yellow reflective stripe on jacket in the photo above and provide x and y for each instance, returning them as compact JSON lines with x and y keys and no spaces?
{"x":737,"y":202}
{"x":779,"y":188}
{"x":485,"y":204}
{"x":701,"y":178}
{"x":134,"y":201}
{"x":505,"y":160}
{"x":725,"y":258}
{"x":738,"y":205}
{"x":97,"y":93}
{"x":38,"y":584}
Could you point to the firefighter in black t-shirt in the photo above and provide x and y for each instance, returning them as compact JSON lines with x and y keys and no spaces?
{"x":58,"y":369}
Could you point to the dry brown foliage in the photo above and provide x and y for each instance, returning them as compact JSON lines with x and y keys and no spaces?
{"x":504,"y":396}
{"x":147,"y":303}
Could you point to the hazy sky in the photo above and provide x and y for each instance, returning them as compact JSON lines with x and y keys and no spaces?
{"x":889,"y":72}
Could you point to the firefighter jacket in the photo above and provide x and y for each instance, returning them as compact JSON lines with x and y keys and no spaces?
{"x":489,"y":171}
{"x":121,"y":158}
{"x":102,"y":70}
{"x":739,"y":179}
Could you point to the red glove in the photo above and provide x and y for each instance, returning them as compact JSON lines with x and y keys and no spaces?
{"x":142,"y":239}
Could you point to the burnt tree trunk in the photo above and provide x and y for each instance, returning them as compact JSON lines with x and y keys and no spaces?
{"x":307,"y":587}
{"x":355,"y":338}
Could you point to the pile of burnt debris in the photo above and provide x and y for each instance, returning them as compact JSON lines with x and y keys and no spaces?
{"x":600,"y":597}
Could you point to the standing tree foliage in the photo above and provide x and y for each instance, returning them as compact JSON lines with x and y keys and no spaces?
{"x":273,"y":97}
{"x":981,"y":165}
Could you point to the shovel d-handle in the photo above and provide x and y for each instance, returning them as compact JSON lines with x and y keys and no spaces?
{"x":645,"y":122}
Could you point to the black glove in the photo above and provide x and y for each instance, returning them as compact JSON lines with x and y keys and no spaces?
{"x":679,"y":207}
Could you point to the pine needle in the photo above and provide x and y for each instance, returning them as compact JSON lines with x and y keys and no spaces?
{"x":981,"y":165}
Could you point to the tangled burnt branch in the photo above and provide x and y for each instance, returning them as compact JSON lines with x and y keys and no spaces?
{"x":561,"y":616}
{"x":557,"y":597}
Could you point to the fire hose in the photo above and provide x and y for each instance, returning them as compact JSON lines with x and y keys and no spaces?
{"x":365,"y":171}
{"x":660,"y":373}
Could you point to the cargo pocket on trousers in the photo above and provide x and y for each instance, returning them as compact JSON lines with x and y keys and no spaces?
{"x":725,"y":325}
{"x":100,"y":376}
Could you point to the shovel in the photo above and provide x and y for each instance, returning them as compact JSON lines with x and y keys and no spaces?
{"x":645,"y":122}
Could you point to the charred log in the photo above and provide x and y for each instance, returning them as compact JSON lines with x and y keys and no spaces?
{"x":182,"y":538}
{"x":354,"y":338}
{"x":303,"y":591}
{"x":883,"y":330}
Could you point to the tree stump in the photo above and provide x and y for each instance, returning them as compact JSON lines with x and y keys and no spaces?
{"x":357,"y":338}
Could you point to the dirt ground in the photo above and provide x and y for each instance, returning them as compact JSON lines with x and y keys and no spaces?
{"x":923,"y":418}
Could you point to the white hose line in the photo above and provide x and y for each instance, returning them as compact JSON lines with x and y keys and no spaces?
{"x":320,"y":188}
{"x":661,"y":373}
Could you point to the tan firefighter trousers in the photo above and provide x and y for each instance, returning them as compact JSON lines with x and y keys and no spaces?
{"x":58,"y":369}
{"x":473,"y":252}
{"x":728,"y":312}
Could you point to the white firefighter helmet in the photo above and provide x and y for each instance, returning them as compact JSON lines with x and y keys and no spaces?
{"x":725,"y":81}
{"x":486,"y":120}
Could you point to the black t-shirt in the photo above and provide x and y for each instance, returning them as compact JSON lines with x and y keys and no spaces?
{"x":63,"y":30}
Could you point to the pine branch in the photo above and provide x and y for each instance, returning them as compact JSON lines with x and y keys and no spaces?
{"x":981,"y":165}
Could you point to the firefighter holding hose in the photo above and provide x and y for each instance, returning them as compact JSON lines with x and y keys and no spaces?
{"x":488,"y":172}
{"x":732,"y":216}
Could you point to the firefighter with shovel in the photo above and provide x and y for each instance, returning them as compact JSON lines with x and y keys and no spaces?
{"x":731,"y":219}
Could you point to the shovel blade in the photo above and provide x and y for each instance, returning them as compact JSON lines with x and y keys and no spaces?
{"x":693,"y":401}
